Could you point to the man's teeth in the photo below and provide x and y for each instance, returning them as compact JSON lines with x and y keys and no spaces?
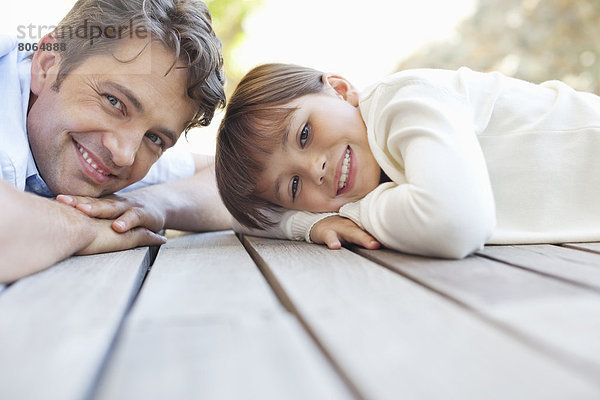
{"x":345,"y":170}
{"x":87,"y":159}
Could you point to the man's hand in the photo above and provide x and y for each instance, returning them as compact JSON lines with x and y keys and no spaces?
{"x":129,"y":210}
{"x":56,"y":231}
{"x":335,"y":230}
{"x":189,"y":204}
{"x":107,"y":239}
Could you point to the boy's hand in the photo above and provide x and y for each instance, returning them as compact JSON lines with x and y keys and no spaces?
{"x":335,"y":230}
{"x":127,"y":210}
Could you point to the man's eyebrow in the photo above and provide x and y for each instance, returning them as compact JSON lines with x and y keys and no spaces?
{"x":169,"y":133}
{"x":129,"y":94}
{"x":139,"y":107}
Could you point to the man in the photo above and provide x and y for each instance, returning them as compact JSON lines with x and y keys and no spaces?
{"x":89,"y":114}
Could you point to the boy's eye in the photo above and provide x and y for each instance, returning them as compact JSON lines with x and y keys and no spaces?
{"x":116,"y":103}
{"x":304,"y":135}
{"x":154,"y":138}
{"x":295,"y":181}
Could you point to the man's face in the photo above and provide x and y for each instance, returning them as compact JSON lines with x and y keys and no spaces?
{"x":109,"y":121}
{"x":324,"y":161}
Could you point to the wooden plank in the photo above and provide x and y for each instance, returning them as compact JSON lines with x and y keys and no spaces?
{"x":207,"y":325}
{"x":557,"y":317}
{"x":396,"y":339}
{"x":594,"y":247}
{"x":56,"y":326}
{"x":580,"y":267}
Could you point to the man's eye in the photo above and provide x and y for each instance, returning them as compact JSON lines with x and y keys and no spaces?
{"x":116,"y":103}
{"x":295,"y":181}
{"x":154,"y":138}
{"x":304,"y":135}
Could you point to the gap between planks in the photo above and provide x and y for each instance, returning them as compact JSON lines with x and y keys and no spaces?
{"x":589,"y":247}
{"x":289,"y":305}
{"x":581,"y":366}
{"x":550,"y":274}
{"x":148,"y":261}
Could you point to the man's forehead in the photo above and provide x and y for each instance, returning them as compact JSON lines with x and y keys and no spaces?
{"x":133,"y":56}
{"x":148,"y":55}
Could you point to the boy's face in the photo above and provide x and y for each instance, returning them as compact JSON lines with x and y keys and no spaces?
{"x":324,"y":160}
{"x":109,"y":121}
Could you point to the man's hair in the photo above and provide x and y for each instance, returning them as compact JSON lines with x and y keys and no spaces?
{"x":94,"y":27}
{"x":256,"y":118}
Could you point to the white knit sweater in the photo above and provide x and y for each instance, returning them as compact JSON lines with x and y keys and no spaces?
{"x":475,"y":158}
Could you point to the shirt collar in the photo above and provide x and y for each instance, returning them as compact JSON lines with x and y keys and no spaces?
{"x":33,"y":182}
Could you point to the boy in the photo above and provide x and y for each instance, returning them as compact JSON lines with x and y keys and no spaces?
{"x":472,"y":158}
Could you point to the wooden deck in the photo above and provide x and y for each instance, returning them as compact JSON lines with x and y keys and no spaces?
{"x":214,"y":316}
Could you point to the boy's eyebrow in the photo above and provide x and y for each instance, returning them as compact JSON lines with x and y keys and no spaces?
{"x":287,"y":130}
{"x":277,"y":186}
{"x":284,"y":140}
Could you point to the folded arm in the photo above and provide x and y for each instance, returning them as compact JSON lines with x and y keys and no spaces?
{"x":189,"y":204}
{"x":323,"y":228}
{"x":37,"y":232}
{"x":445,"y":208}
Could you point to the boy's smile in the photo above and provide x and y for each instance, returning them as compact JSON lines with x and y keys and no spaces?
{"x":344,"y":183}
{"x":324,"y":160}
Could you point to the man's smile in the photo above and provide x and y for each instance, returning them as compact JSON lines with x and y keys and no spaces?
{"x":92,"y":166}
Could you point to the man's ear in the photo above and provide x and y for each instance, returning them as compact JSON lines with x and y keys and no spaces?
{"x":342,"y":87}
{"x":42,"y":72}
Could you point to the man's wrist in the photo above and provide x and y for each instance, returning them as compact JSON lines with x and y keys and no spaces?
{"x":77,"y":226}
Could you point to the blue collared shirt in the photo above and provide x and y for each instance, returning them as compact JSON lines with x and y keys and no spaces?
{"x":16,"y":160}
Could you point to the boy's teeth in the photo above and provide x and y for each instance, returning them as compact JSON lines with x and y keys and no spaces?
{"x":345,"y":170}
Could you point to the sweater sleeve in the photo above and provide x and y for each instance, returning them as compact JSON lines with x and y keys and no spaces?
{"x":290,"y":224}
{"x":445,"y":206}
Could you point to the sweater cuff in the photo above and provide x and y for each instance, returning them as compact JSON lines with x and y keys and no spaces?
{"x":352,"y":212}
{"x":300,"y":223}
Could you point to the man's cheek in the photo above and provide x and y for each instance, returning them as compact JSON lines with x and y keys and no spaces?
{"x":139,"y":172}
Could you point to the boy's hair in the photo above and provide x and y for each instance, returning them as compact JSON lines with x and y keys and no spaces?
{"x":257,"y":116}
{"x":94,"y":27}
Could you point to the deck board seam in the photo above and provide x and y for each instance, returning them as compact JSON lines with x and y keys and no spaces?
{"x":289,"y":305}
{"x":586,"y":369}
{"x":581,"y":285}
{"x":149,"y":259}
{"x":574,"y":246}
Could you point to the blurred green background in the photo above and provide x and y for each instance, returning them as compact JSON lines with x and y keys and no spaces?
{"x":535,"y":40}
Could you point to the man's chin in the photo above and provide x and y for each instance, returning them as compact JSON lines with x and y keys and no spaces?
{"x":83,"y":190}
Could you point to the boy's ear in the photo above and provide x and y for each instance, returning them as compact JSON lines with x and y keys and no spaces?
{"x":42,"y":63}
{"x":342,"y":87}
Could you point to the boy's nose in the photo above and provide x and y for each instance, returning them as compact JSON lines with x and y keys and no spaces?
{"x":123,"y":146}
{"x":318,"y":170}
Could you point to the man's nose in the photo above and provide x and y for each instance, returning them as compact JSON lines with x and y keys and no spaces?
{"x":123,"y":146}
